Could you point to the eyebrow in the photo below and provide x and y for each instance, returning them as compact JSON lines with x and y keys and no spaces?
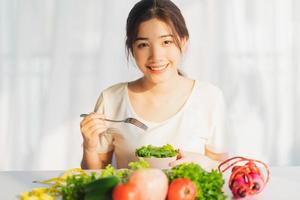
{"x":144,"y":38}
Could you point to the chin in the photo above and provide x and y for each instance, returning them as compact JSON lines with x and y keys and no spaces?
{"x":161,"y":78}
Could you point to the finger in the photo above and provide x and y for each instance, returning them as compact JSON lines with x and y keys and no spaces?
{"x":89,"y":120}
{"x":84,"y":121}
{"x":93,"y":122}
{"x":98,"y":116}
{"x":87,"y":116}
{"x":97,"y":130}
{"x":180,"y":154}
{"x":89,"y":128}
{"x":92,"y":138}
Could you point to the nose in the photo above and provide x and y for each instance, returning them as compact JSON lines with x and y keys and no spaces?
{"x":156,"y":53}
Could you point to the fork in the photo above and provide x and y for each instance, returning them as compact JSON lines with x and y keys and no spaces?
{"x":129,"y":120}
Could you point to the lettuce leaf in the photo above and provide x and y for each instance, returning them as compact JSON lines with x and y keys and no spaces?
{"x":209,"y":184}
{"x":158,"y":152}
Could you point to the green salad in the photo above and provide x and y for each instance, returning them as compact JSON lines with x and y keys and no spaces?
{"x":158,"y":152}
{"x":77,"y":184}
{"x":209,"y":184}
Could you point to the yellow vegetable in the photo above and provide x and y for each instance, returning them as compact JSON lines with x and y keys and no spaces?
{"x":37,"y":194}
{"x":49,"y":193}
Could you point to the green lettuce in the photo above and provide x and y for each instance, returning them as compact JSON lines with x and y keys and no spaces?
{"x":158,"y":152}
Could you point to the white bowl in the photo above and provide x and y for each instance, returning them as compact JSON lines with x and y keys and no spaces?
{"x":160,"y":163}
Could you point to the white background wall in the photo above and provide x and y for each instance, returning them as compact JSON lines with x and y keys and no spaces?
{"x":56,"y":57}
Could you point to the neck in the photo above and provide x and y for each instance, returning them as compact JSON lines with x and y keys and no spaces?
{"x":162,"y":87}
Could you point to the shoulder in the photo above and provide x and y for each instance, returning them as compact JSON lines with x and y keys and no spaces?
{"x":208,"y":89}
{"x":208,"y":95}
{"x":114,"y":93}
{"x":111,"y":98}
{"x":114,"y":90}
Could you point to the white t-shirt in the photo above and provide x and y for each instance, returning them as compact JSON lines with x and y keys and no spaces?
{"x":200,"y":122}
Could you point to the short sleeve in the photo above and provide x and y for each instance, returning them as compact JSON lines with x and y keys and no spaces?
{"x":218,"y":140}
{"x":105,"y":138}
{"x":99,"y":107}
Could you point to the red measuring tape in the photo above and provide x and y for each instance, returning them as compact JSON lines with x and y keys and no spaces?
{"x":246,"y":179}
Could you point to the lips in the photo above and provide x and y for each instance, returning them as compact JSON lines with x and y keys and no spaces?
{"x":157,"y":68}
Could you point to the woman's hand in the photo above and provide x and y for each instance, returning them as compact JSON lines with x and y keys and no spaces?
{"x":91,"y":126}
{"x":186,"y":157}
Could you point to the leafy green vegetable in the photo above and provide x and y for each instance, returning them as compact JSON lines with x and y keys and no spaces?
{"x":75,"y":184}
{"x":74,"y":187}
{"x":122,"y":174}
{"x":109,"y":170}
{"x":158,"y":152}
{"x":209,"y":184}
{"x":71,"y":186}
{"x":139,"y":164}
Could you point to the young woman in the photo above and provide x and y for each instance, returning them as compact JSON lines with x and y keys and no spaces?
{"x":185,"y":113}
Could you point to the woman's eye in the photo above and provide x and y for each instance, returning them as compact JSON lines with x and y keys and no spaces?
{"x":168,"y":42}
{"x":142,"y":45}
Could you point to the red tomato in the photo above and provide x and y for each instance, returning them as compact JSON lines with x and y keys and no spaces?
{"x":126,"y":192}
{"x":182,"y":189}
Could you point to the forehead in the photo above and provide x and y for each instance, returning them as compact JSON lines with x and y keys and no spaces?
{"x":153,"y":28}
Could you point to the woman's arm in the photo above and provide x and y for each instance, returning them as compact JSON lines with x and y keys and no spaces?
{"x":208,"y":161}
{"x":215,"y":156}
{"x":94,"y":160}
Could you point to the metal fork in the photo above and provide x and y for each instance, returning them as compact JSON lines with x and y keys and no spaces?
{"x":127,"y":120}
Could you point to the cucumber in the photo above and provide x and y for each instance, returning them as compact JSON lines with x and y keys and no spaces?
{"x":96,"y":195}
{"x":102,"y":185}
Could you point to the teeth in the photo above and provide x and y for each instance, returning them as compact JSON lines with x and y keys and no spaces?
{"x":158,"y":68}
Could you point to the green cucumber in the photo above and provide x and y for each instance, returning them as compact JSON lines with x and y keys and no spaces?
{"x":98,"y":195}
{"x":102,"y":185}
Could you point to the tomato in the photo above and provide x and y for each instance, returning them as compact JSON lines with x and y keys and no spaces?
{"x":126,"y":192}
{"x":182,"y":189}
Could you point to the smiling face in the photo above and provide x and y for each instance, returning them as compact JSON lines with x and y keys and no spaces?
{"x":155,"y":51}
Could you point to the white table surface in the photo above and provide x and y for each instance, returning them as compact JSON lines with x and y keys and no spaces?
{"x":284,"y":183}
